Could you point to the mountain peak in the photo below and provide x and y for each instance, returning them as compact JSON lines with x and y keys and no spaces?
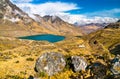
{"x":9,"y":11}
{"x":52,"y":19}
{"x":36,"y":23}
{"x":6,"y":3}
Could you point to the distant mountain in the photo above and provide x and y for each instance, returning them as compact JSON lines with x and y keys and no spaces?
{"x":106,"y":40}
{"x":52,"y":19}
{"x":56,"y":24}
{"x":14,"y":22}
{"x":114,"y":25}
{"x":92,"y":27}
{"x":96,"y":24}
{"x":88,"y":29}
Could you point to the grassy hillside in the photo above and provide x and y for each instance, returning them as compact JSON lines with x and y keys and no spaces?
{"x":104,"y":41}
{"x":17,"y":29}
{"x":18,"y":57}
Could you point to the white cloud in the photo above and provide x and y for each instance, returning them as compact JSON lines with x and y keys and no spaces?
{"x":105,"y":13}
{"x":60,"y":9}
{"x":48,"y":8}
{"x":21,"y":1}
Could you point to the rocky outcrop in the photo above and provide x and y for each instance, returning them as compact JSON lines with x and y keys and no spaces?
{"x":78,"y":63}
{"x":11,"y":12}
{"x":114,"y":25}
{"x":116,"y":65}
{"x":98,"y":70}
{"x":50,"y":63}
{"x":53,"y":19}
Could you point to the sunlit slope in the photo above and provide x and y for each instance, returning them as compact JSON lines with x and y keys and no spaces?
{"x":106,"y":39}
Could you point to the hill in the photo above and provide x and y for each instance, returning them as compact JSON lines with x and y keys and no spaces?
{"x":105,"y":40}
{"x":114,"y":25}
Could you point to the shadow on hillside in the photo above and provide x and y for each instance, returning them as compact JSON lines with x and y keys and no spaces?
{"x":116,"y":50}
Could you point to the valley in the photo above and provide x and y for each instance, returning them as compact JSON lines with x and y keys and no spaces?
{"x":86,"y":52}
{"x":18,"y":56}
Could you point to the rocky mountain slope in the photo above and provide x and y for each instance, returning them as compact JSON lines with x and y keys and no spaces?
{"x":114,"y":25}
{"x":56,"y":24}
{"x":105,"y":40}
{"x":92,"y":27}
{"x":14,"y":22}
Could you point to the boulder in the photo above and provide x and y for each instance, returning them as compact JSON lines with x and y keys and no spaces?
{"x":116,"y":65}
{"x":50,"y":63}
{"x":78,"y":63}
{"x":98,"y":70}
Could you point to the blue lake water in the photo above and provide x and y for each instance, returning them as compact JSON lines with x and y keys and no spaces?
{"x":45,"y":37}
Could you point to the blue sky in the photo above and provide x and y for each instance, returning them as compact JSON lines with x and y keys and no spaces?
{"x":88,"y":5}
{"x":89,"y":10}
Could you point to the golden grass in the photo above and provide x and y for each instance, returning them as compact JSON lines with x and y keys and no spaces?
{"x":14,"y":52}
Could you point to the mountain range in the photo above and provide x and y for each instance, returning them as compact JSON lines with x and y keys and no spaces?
{"x":15,"y":22}
{"x":92,"y":27}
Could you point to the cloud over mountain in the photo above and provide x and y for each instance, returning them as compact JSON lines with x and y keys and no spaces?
{"x":62,"y":9}
{"x":21,"y":1}
{"x":83,"y":19}
{"x":48,"y":8}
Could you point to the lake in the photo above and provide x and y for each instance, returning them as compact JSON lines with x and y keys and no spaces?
{"x":45,"y":37}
